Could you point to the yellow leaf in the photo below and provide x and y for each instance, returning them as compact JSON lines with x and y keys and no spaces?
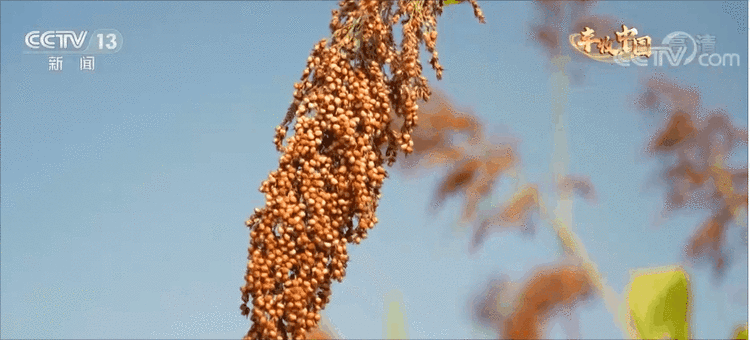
{"x":659,"y":303}
{"x":450,"y":2}
{"x":740,"y":333}
{"x":395,"y":320}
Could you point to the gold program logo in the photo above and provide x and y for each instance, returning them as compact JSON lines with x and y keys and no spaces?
{"x":631,"y":46}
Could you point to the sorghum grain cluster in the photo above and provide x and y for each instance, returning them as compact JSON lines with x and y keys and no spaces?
{"x":325,"y":191}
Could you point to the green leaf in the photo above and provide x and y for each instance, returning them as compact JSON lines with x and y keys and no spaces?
{"x":450,"y":2}
{"x":659,"y":303}
{"x":740,"y":333}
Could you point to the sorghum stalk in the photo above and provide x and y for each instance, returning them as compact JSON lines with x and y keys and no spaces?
{"x":325,"y":191}
{"x":562,"y":221}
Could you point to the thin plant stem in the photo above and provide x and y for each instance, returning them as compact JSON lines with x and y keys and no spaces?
{"x":561,"y":219}
{"x":574,"y":247}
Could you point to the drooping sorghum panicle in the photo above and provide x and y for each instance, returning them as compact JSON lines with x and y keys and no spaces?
{"x":698,"y":176}
{"x":475,"y":163}
{"x":514,"y":213}
{"x":439,"y":123}
{"x":325,"y":191}
{"x":521,"y":309}
{"x":492,"y":305}
{"x":547,"y":290}
{"x":474,"y":176}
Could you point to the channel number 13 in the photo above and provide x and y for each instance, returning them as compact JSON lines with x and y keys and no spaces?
{"x":111,"y":41}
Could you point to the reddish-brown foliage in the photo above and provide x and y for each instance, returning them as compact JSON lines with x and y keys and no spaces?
{"x":475,"y":177}
{"x":494,"y":304}
{"x":698,"y":146}
{"x":520,"y":310}
{"x":708,"y":239}
{"x":580,"y":185}
{"x":546,"y":291}
{"x":679,"y":129}
{"x":660,"y":91}
{"x":439,"y":123}
{"x":476,"y":162}
{"x":549,"y":30}
{"x":515,"y":213}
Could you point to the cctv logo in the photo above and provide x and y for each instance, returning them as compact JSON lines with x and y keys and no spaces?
{"x":55,"y":39}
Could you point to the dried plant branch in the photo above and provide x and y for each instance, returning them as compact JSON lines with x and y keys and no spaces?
{"x":547,"y":290}
{"x":575,"y":248}
{"x":698,"y":176}
{"x":466,"y":174}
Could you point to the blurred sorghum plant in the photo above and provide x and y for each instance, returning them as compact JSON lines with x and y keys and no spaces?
{"x":325,"y":191}
{"x":547,"y":290}
{"x":475,"y":164}
{"x":521,"y":309}
{"x":696,"y":147}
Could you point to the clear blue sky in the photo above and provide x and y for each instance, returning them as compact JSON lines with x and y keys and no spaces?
{"x":125,"y":191}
